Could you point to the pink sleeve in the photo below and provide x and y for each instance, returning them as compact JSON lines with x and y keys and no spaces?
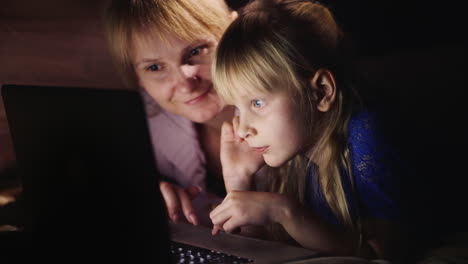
{"x":177,"y":151}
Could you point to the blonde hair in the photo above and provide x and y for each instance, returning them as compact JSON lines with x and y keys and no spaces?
{"x":280,"y":44}
{"x":129,"y":20}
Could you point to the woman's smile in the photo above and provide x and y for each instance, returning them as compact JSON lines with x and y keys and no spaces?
{"x":199,"y":98}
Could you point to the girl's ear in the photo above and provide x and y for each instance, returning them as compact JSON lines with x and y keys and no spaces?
{"x":324,"y":82}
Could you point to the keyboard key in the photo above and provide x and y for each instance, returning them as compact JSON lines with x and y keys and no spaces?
{"x":184,"y":253}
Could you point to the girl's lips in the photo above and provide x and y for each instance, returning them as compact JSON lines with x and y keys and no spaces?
{"x":198,"y":99}
{"x":261,"y":150}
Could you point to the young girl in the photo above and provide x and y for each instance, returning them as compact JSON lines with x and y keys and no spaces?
{"x":280,"y":63}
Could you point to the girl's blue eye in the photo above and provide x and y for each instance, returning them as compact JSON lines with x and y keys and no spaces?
{"x":154,"y":67}
{"x":258,"y":103}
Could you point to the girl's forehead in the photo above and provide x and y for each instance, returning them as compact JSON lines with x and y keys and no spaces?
{"x":242,"y":94}
{"x":235,"y":89}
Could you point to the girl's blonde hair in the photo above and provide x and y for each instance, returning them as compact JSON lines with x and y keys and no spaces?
{"x":133,"y":20}
{"x":280,"y":44}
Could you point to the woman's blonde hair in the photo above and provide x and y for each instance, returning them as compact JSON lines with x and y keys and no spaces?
{"x":130,"y":20}
{"x":280,"y":44}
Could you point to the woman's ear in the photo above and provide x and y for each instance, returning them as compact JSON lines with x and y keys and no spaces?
{"x":324,"y":82}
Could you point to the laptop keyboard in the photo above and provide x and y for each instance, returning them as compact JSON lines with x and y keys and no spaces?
{"x":184,"y":253}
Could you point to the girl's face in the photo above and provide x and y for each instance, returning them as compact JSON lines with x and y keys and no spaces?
{"x":272,"y":123}
{"x":176,"y":73}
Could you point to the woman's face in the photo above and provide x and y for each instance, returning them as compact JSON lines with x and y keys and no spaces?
{"x":177,"y":74}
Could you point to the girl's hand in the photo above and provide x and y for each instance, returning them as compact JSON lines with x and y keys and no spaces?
{"x":240,"y":162}
{"x":241,"y":208}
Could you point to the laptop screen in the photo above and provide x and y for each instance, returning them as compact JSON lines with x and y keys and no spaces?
{"x":90,"y":186}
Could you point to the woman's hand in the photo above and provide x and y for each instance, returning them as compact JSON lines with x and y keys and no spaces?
{"x":240,"y":162}
{"x":242,"y":208}
{"x":178,"y":199}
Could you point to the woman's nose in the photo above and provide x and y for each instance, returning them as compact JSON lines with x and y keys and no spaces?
{"x":189,"y":71}
{"x":189,"y":77}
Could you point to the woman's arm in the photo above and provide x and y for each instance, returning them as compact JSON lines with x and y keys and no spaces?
{"x":179,"y":200}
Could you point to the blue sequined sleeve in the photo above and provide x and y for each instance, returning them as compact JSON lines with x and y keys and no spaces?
{"x":375,"y":168}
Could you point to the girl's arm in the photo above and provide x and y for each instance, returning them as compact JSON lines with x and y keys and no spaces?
{"x":247,"y":209}
{"x":312,"y":232}
{"x":379,"y":238}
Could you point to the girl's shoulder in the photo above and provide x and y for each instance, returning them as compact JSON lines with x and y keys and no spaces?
{"x":363,"y":127}
{"x":376,"y":167}
{"x":370,"y":130}
{"x":371,"y":153}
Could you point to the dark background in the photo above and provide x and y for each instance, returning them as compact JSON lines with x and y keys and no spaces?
{"x":382,"y":27}
{"x":411,"y":55}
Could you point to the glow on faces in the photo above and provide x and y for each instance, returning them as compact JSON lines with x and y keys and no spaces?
{"x":177,"y":74}
{"x":272,"y":124}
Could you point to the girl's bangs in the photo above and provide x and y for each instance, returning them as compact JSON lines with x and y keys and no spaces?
{"x":248,"y":73}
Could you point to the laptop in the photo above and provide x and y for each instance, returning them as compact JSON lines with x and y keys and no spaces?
{"x":90,"y":185}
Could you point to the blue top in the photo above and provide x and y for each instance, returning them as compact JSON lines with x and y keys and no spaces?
{"x":374,"y":171}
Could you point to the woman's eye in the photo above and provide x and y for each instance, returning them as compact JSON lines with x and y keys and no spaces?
{"x":195,"y":51}
{"x":154,"y":67}
{"x":200,"y":50}
{"x":198,"y":55}
{"x":258,"y":103}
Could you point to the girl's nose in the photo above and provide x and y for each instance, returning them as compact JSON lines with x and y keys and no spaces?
{"x":244,"y":129}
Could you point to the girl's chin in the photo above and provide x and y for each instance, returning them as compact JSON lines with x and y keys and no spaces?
{"x":273,"y":163}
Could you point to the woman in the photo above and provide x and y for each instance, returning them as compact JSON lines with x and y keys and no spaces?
{"x":165,"y":48}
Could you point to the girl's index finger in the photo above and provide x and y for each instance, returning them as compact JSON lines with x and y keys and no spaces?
{"x":235,"y":125}
{"x":227,"y":131}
